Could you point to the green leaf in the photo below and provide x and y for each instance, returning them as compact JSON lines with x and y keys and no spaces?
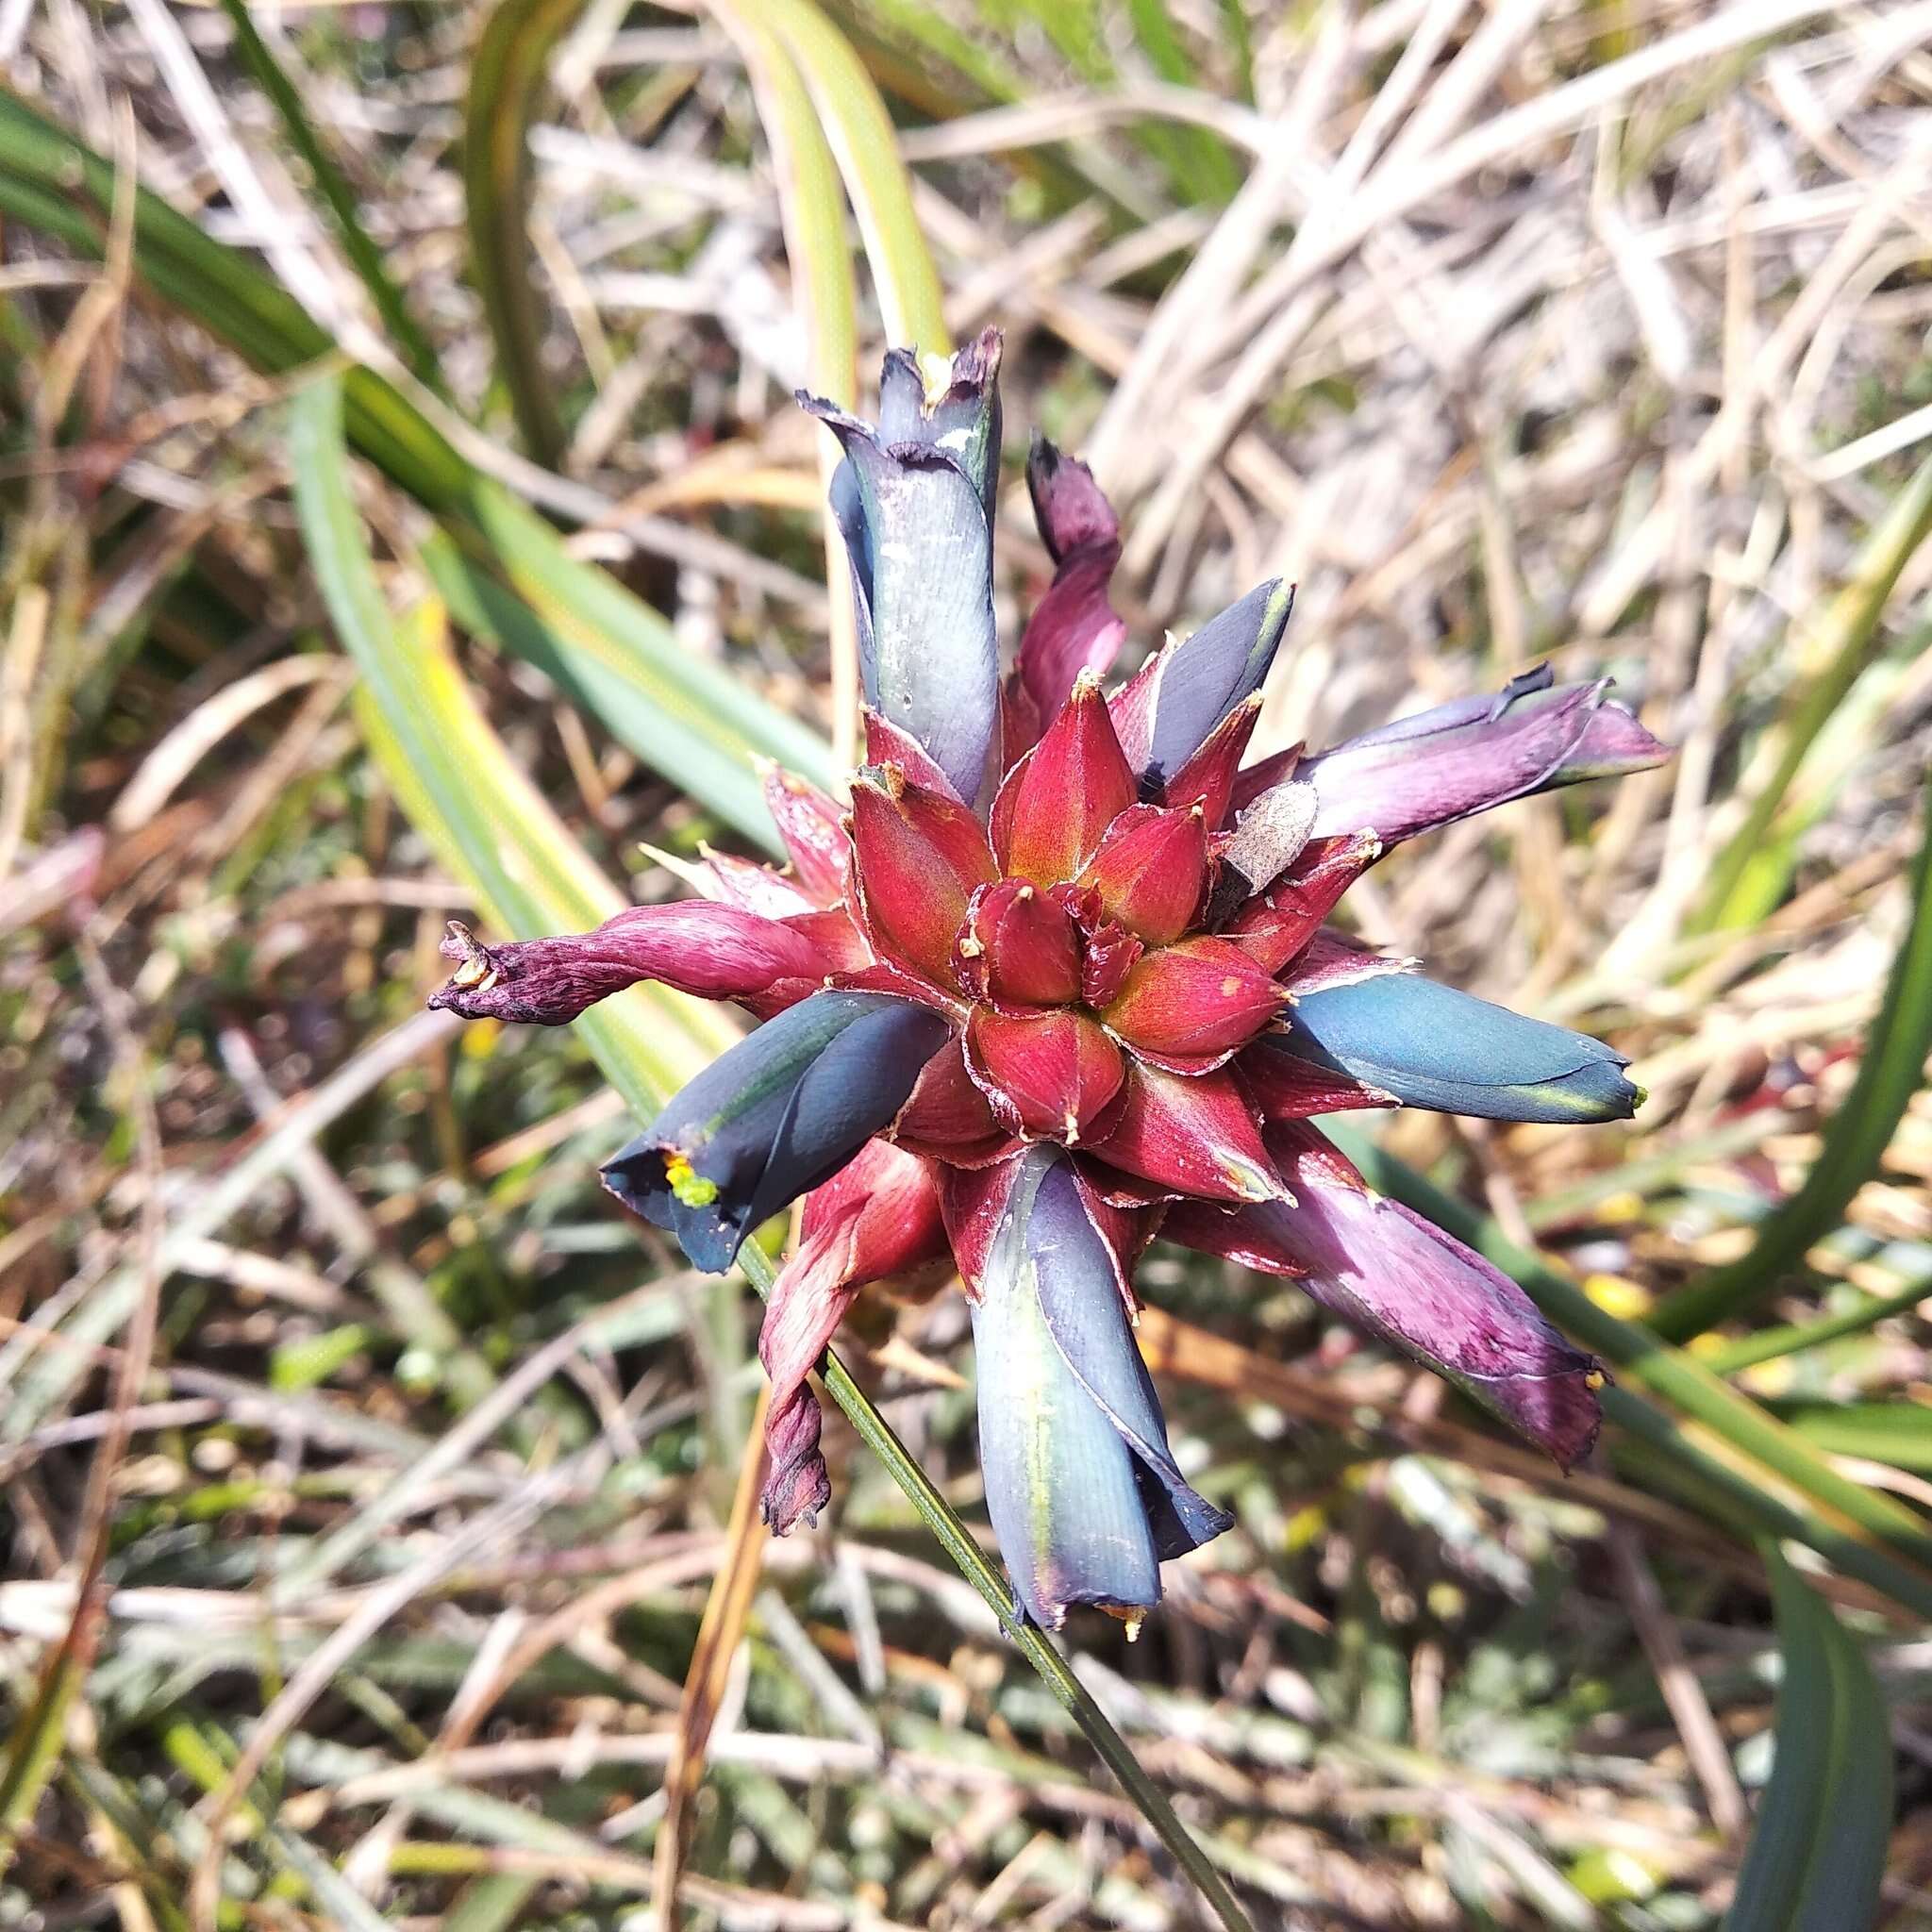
{"x":458,"y":784}
{"x":1898,"y":1433}
{"x":859,"y":133}
{"x":315,"y":1357}
{"x":506,"y":74}
{"x":810,"y":203}
{"x":1767,"y":1345}
{"x":52,"y":180}
{"x":364,"y":255}
{"x":1818,"y":1853}
{"x":1844,"y":639}
{"x":1890,"y":1072}
{"x":1197,"y":154}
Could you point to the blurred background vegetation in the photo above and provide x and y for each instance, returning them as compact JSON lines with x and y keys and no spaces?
{"x":403,"y":512}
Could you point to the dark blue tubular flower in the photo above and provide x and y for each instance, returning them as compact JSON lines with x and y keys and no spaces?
{"x":786,"y":1108}
{"x":1424,"y":1044}
{"x":914,"y":500}
{"x":1085,"y":1495}
{"x":1167,"y":712}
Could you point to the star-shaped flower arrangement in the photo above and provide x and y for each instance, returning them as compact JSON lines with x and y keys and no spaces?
{"x":1058,"y":978}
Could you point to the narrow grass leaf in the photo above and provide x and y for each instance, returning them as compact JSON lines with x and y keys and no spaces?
{"x":506,"y":74}
{"x":860,"y":135}
{"x":652,"y":717}
{"x":460,"y":784}
{"x":1199,"y":155}
{"x":333,"y":185}
{"x":1843,"y":641}
{"x":926,"y":61}
{"x":1890,"y":1072}
{"x":1896,"y":1433}
{"x":1768,"y":1344}
{"x":812,"y":209}
{"x":1817,"y":1853}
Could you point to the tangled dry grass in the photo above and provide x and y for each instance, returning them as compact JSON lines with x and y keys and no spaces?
{"x":1551,"y":330}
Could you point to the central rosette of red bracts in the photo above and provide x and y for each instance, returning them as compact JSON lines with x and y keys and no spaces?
{"x":1057,"y":978}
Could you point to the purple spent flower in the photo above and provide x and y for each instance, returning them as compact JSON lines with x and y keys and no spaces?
{"x":1422,"y":773}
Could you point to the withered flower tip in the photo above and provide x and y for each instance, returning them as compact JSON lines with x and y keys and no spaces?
{"x":1061,"y":976}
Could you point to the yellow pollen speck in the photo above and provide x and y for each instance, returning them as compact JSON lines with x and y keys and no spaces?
{"x":1595,"y":1379}
{"x":474,"y":973}
{"x":970,"y":948}
{"x":1023,"y":893}
{"x":1073,"y":1126}
{"x":1230,"y":987}
{"x":1130,"y":1615}
{"x":689,"y":1186}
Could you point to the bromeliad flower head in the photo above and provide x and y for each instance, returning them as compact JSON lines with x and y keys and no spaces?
{"x":1059,"y":977}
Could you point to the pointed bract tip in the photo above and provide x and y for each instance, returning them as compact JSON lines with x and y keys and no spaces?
{"x":888,"y":780}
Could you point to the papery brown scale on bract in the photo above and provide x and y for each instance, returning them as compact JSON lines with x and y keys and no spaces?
{"x":1277,"y":924}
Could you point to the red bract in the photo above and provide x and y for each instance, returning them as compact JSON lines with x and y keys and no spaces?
{"x":1037,"y":989}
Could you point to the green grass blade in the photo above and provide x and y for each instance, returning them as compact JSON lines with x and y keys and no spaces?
{"x":923,"y":60}
{"x":1793,"y":1806}
{"x":1846,"y":639}
{"x":1890,"y":1072}
{"x":1767,"y":1345}
{"x":1078,"y":33}
{"x":32,"y":1750}
{"x":1865,"y":1533}
{"x":1817,"y":1853}
{"x":458,"y":784}
{"x":506,"y":74}
{"x":1241,"y":45}
{"x":49,"y":178}
{"x":364,"y":255}
{"x":813,"y":208}
{"x":859,"y":133}
{"x":810,"y":203}
{"x":1199,"y":155}
{"x":1897,"y":1433}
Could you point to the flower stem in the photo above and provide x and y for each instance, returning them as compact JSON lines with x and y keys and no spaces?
{"x":1033,"y":1643}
